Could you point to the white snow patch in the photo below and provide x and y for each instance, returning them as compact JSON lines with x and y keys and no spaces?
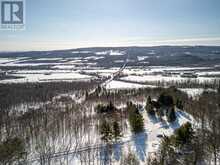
{"x":124,"y":85}
{"x":116,"y":53}
{"x":101,"y":53}
{"x":152,"y":52}
{"x":194,"y":92}
{"x":47,"y":59}
{"x":66,"y":67}
{"x":5,"y":60}
{"x":119,"y":61}
{"x":141,"y":58}
{"x":81,"y":52}
{"x":51,"y":77}
{"x":94,"y":58}
{"x":154,"y":78}
{"x":111,"y":53}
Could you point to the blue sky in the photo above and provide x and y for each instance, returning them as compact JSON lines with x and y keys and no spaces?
{"x":60,"y":24}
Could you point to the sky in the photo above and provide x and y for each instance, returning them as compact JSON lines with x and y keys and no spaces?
{"x":64,"y":24}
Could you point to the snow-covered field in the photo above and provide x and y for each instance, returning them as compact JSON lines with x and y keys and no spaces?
{"x":11,"y":60}
{"x":194,"y":92}
{"x":111,"y":53}
{"x":71,"y":67}
{"x":154,"y":78}
{"x":115,"y":84}
{"x":48,"y":76}
{"x":124,"y":85}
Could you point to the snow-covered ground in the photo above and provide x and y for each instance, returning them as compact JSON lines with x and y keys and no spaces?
{"x":155,"y":78}
{"x":89,"y":64}
{"x":111,"y":53}
{"x":193,"y":92}
{"x":8,"y":61}
{"x":42,"y":71}
{"x":141,"y":58}
{"x":81,"y":52}
{"x":115,"y":84}
{"x":125,"y":85}
{"x":142,"y":144}
{"x":154,"y":127}
{"x":42,"y":77}
{"x":209,"y":73}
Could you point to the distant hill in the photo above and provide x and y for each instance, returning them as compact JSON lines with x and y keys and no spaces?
{"x":157,"y":55}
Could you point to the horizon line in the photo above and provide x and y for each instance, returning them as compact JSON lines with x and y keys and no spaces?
{"x":92,"y":47}
{"x":132,"y":42}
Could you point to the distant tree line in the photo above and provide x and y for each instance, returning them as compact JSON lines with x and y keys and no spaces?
{"x":13,"y":94}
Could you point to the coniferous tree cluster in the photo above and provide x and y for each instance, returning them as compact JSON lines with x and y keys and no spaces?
{"x":178,"y":148}
{"x":12,"y":150}
{"x":110,"y":131}
{"x":106,"y":108}
{"x":130,"y":159}
{"x":165,"y":103}
{"x":184,"y":134}
{"x":135,"y":118}
{"x":149,"y":107}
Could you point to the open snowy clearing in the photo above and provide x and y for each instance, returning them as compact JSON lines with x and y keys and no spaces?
{"x":115,"y":84}
{"x":40,"y":77}
{"x":124,"y":85}
{"x":193,"y":92}
{"x":111,"y":53}
{"x":153,"y":78}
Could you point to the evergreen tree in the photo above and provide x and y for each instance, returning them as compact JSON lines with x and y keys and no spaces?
{"x":116,"y":130}
{"x":12,"y":150}
{"x":106,"y":131}
{"x":86,"y":94}
{"x":110,"y":107}
{"x":166,"y":151}
{"x":166,"y":100}
{"x":105,"y":108}
{"x":135,"y":119}
{"x":179,"y":104}
{"x":148,"y":100}
{"x":149,"y":107}
{"x":171,"y":116}
{"x":130,"y":159}
{"x":184,"y":134}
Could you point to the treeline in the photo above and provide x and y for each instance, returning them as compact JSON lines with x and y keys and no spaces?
{"x":13,"y":94}
{"x":163,"y":106}
{"x":206,"y":84}
{"x":118,"y":95}
{"x":206,"y":110}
